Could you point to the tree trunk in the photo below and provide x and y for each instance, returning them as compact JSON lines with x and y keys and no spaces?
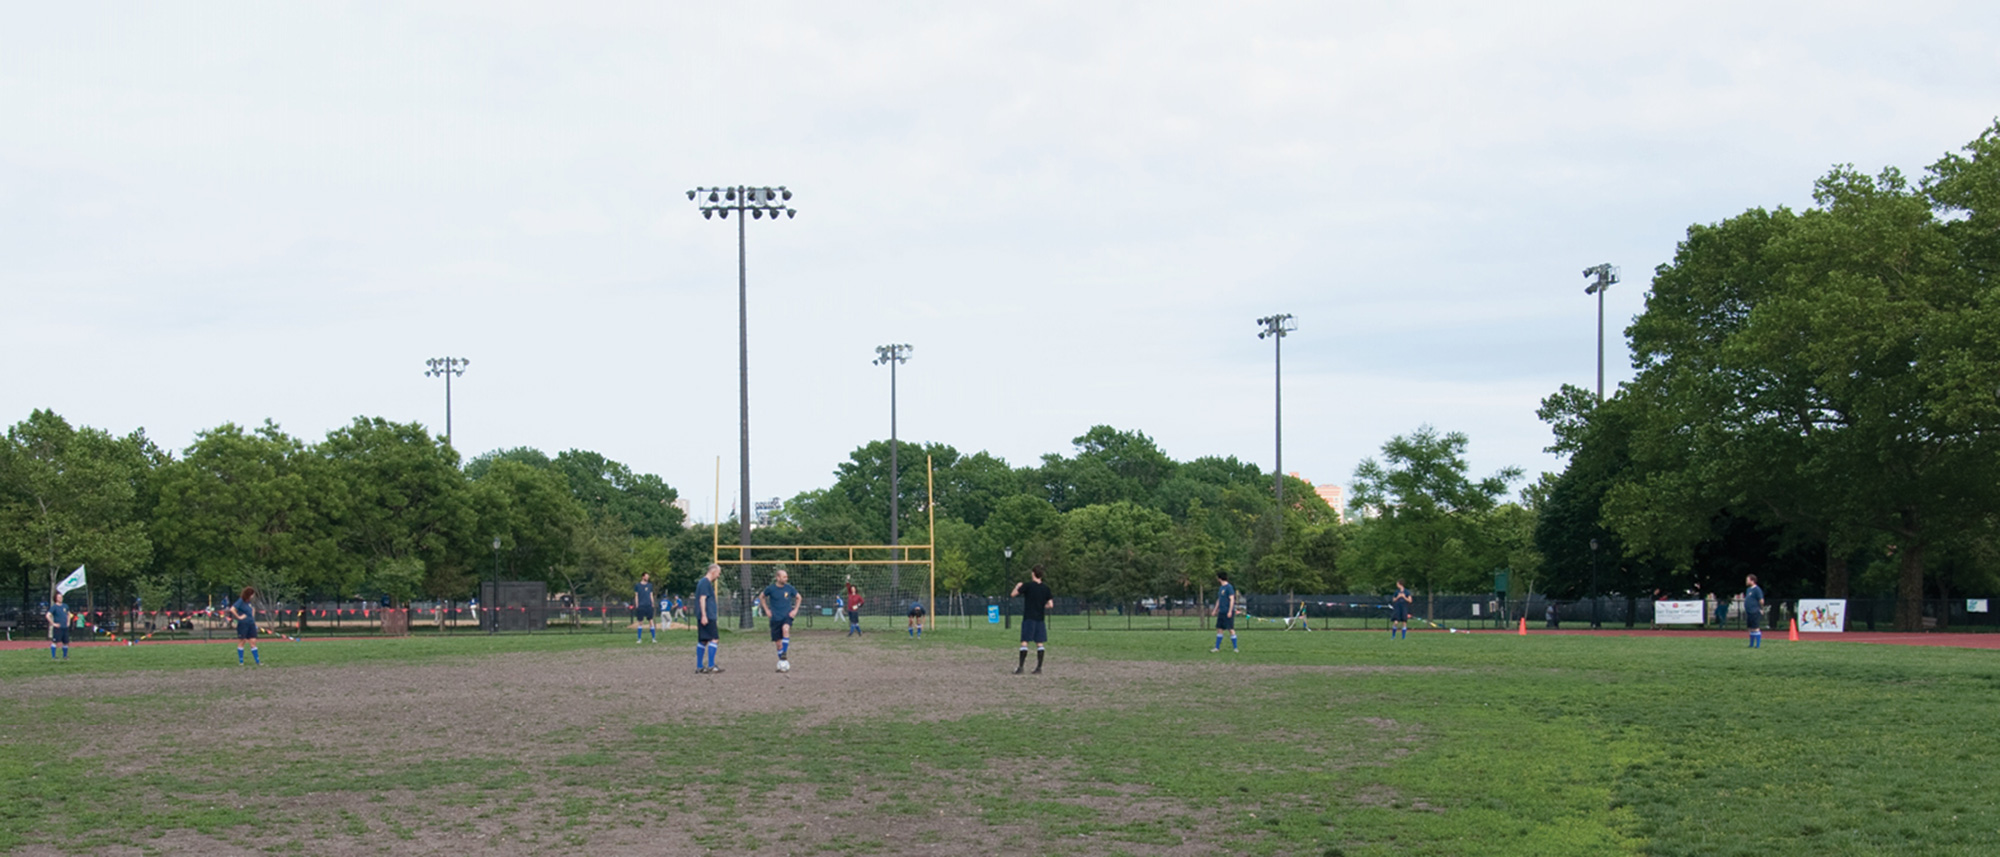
{"x":1910,"y":589}
{"x":1836,"y":573}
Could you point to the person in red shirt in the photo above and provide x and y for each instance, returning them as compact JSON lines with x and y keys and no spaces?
{"x":854,"y":602}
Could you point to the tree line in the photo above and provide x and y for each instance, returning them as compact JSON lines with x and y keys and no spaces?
{"x":1817,"y":401}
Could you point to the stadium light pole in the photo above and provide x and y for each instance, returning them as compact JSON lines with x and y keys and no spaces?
{"x":1008,"y":552}
{"x":1603,"y":277}
{"x":1275,"y":328}
{"x":447,"y":367}
{"x":892,"y":355}
{"x":749,"y":203}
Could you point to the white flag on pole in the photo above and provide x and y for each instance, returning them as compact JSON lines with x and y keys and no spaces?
{"x":73,"y":581}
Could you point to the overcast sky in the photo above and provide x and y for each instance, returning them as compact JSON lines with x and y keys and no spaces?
{"x":1074,"y":212}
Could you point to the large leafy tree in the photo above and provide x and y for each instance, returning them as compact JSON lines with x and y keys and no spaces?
{"x":395,"y":496}
{"x":1118,"y":550}
{"x":1424,"y":529}
{"x":72,"y":497}
{"x":238,"y":507}
{"x":1829,"y":373}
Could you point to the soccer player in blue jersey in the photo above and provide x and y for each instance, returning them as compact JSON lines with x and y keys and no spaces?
{"x":58,"y":616}
{"x":781,"y":603}
{"x":645,"y":609}
{"x":1036,"y":600}
{"x":1753,"y":611}
{"x":246,"y":625}
{"x":1399,"y":611}
{"x":706,"y":635}
{"x":1225,"y":612}
{"x":916,"y":618}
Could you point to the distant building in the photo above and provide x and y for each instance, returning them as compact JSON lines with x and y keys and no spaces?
{"x":687,"y":511}
{"x":1334,"y":495}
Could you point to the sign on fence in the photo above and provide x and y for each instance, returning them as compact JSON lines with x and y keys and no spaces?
{"x":1975,"y":605}
{"x":1824,"y":615}
{"x":1679,"y":613}
{"x":992,"y":614}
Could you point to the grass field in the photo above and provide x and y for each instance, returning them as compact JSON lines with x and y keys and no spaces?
{"x":1143,"y":743}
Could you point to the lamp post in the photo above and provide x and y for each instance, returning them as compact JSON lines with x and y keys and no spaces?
{"x":1008,"y":552}
{"x":892,"y":355}
{"x":752,"y":203}
{"x":1603,"y":276}
{"x":1275,"y":328}
{"x":1594,"y":600}
{"x":447,"y":367}
{"x":493,"y":604}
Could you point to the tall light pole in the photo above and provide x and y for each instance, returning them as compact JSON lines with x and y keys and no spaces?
{"x":1594,"y":600}
{"x":1275,"y":328}
{"x":1603,"y":276}
{"x":493,"y":604}
{"x":447,"y":367}
{"x":749,"y":203}
{"x":892,"y":355}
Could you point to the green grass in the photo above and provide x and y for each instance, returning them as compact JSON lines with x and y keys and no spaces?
{"x":1439,"y":744}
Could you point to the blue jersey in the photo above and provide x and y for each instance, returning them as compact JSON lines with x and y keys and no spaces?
{"x":1225,"y":600}
{"x":704,"y":596}
{"x":59,"y":615}
{"x":1753,"y":601}
{"x":642,"y":596}
{"x":244,"y":612}
{"x":781,"y":598}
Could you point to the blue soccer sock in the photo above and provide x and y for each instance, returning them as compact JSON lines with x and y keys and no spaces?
{"x":65,"y":651}
{"x":654,"y":632}
{"x":713,"y":648}
{"x":1232,"y":642}
{"x":639,"y":635}
{"x":52,"y":651}
{"x":239,"y":655}
{"x":700,"y":650}
{"x":1218,"y":640}
{"x":784,"y":646}
{"x":255,"y":658}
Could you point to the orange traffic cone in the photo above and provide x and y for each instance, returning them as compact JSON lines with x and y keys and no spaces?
{"x":1794,"y":636}
{"x":1524,"y":626}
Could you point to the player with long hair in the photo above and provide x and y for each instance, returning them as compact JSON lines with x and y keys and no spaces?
{"x":854,"y":602}
{"x":246,"y":625}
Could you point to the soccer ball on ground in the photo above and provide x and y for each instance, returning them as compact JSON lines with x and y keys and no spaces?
{"x":784,"y":666}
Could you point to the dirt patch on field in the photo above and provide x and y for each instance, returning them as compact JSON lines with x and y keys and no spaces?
{"x":522,"y":753}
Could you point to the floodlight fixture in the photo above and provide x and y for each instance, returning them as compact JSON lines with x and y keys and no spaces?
{"x":1276,"y":326}
{"x":446,"y":367}
{"x":1603,"y":276}
{"x":892,"y":355}
{"x":759,"y":203}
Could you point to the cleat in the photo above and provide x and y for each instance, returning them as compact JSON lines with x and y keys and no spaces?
{"x":713,"y":670}
{"x":1038,"y":671}
{"x":1213,"y":651}
{"x":1017,"y":670}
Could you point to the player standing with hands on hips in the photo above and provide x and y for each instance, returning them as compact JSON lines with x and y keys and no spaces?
{"x":1225,"y":612}
{"x":1036,"y":600}
{"x":706,"y":635}
{"x":246,"y":625}
{"x":781,"y":603}
{"x":1753,"y":611}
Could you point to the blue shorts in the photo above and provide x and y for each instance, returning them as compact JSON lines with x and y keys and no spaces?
{"x":1225,"y":623}
{"x":1034,"y":631}
{"x":1753,"y":621}
{"x":246,"y":629}
{"x":643,"y":614}
{"x":1399,"y":615}
{"x":780,"y":627}
{"x":706,"y":631}
{"x":59,"y":634}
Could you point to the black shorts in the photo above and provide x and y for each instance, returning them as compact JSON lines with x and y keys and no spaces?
{"x":1034,"y":631}
{"x":854,"y":617}
{"x":916,"y":614}
{"x":1753,"y":621}
{"x":246,"y":629}
{"x":642,"y":614}
{"x":1225,"y":623}
{"x":59,"y":634}
{"x":1399,"y":616}
{"x":779,"y":627}
{"x":706,"y":632}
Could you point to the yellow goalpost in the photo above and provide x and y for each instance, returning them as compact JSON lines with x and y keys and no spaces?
{"x":737,"y":556}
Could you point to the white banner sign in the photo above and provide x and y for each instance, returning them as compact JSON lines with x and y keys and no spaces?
{"x":1679,"y":613}
{"x":75,"y":580}
{"x":1975,"y":605}
{"x":1823,"y":615}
